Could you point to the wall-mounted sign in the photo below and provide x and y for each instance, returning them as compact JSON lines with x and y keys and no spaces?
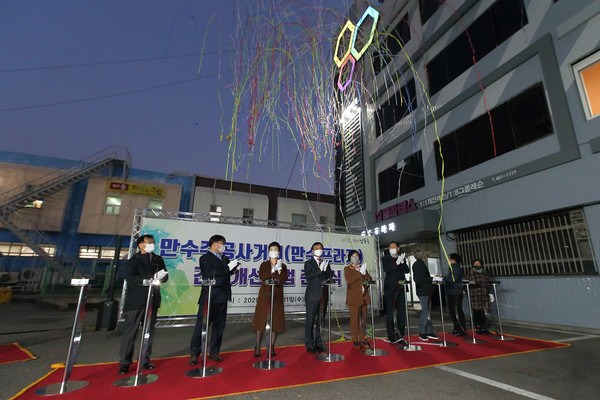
{"x":403,"y":207}
{"x":134,"y":188}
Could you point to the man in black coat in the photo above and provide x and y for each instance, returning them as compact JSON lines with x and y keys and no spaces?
{"x":394,"y":266}
{"x":213,"y":265}
{"x":423,"y":281}
{"x":316,"y":270}
{"x":142,"y":266}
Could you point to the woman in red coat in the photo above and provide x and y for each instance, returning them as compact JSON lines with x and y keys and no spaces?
{"x":357,"y":299}
{"x":270,"y":269}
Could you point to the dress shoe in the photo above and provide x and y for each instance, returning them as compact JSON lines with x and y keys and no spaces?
{"x":256,"y":352}
{"x":356,"y":345}
{"x":273,"y":352}
{"x":320,"y":349}
{"x":193,"y":359}
{"x":123,"y":369}
{"x":311,"y":350}
{"x":365,"y":345}
{"x":216,"y":357}
{"x":454,"y":332}
{"x":148,"y":365}
{"x":460,"y":333}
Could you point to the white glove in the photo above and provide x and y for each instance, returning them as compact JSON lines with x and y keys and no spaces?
{"x":363,"y":268}
{"x":491,"y":298}
{"x":232,"y":264}
{"x":437,"y":278}
{"x":278,"y":265}
{"x":400,"y":258}
{"x":323,"y":265}
{"x":160,"y":275}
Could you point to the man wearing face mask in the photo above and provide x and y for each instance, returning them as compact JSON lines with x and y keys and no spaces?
{"x":213,"y":265}
{"x":395,"y":268}
{"x":142,"y":266}
{"x":316,"y":270}
{"x":357,"y":299}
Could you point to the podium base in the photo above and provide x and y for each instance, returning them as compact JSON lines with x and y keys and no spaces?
{"x":376,"y":352}
{"x":55,"y":388}
{"x":502,"y":337}
{"x":265,"y":364}
{"x":329,"y":357}
{"x":410,"y":347}
{"x":448,"y":344}
{"x":142,"y":379}
{"x":474,"y":341}
{"x":208,"y":371}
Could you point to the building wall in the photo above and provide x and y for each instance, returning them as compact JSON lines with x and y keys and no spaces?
{"x":313,"y":210}
{"x":94,"y":220}
{"x":232,"y":203}
{"x":549,"y":174}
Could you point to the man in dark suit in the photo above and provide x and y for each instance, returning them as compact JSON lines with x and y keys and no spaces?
{"x":213,"y":265}
{"x":394,"y":266}
{"x":316,"y":270}
{"x":142,"y":266}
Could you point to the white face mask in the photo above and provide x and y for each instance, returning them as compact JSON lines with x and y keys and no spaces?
{"x":393,"y":252}
{"x":355,"y":260}
{"x":221,"y":248}
{"x":149,"y":247}
{"x":273,"y":254}
{"x":318,"y":252}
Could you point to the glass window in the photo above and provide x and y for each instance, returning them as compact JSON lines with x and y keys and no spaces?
{"x":428,"y":8}
{"x":215,"y":212}
{"x":323,"y":220}
{"x":155,"y":203}
{"x":89,"y":251}
{"x":587,"y":76}
{"x":248,"y":215}
{"x":402,"y":178}
{"x":17,"y":249}
{"x":113,"y":205}
{"x":109,"y":253}
{"x":299,"y":218}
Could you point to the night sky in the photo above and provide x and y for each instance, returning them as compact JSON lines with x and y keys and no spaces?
{"x":77,"y":77}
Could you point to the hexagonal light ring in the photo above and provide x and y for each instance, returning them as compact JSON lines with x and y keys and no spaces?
{"x":369,"y":12}
{"x":349,"y":26}
{"x":341,"y":86}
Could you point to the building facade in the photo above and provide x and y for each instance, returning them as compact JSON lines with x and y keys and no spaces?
{"x":475,"y":124}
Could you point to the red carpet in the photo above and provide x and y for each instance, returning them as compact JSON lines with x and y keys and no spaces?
{"x":11,"y":353}
{"x":301,"y":368}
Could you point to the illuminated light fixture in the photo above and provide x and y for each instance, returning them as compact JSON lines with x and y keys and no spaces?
{"x":370,"y":12}
{"x":349,"y":26}
{"x":344,"y":85}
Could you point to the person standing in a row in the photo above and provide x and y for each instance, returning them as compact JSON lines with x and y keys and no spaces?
{"x":454,"y":295}
{"x":273,"y":268}
{"x":213,"y":265}
{"x":357,"y":299}
{"x":316,"y":270}
{"x":480,"y":295}
{"x":423,"y":281}
{"x":395,"y":268}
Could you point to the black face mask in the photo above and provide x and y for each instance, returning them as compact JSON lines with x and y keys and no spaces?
{"x":478,"y":268}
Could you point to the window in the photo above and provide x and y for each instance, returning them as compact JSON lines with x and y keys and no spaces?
{"x":248,"y":215}
{"x":402,"y":178}
{"x":587,"y":76}
{"x":215,"y":212}
{"x":323,"y":220}
{"x":428,"y":8}
{"x":298,"y":220}
{"x":398,"y":106}
{"x":549,"y":244}
{"x":155,"y":203}
{"x":17,"y":249}
{"x":394,"y":41}
{"x":492,"y":28}
{"x":89,"y":251}
{"x":518,"y":122}
{"x":93,"y":252}
{"x":113,"y":205}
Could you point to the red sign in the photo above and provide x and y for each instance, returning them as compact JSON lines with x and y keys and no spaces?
{"x":403,"y":207}
{"x":119,"y":186}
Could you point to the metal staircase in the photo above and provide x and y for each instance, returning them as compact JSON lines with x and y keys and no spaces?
{"x":17,"y":198}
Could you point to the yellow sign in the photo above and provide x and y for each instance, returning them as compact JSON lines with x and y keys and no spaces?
{"x":134,"y":188}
